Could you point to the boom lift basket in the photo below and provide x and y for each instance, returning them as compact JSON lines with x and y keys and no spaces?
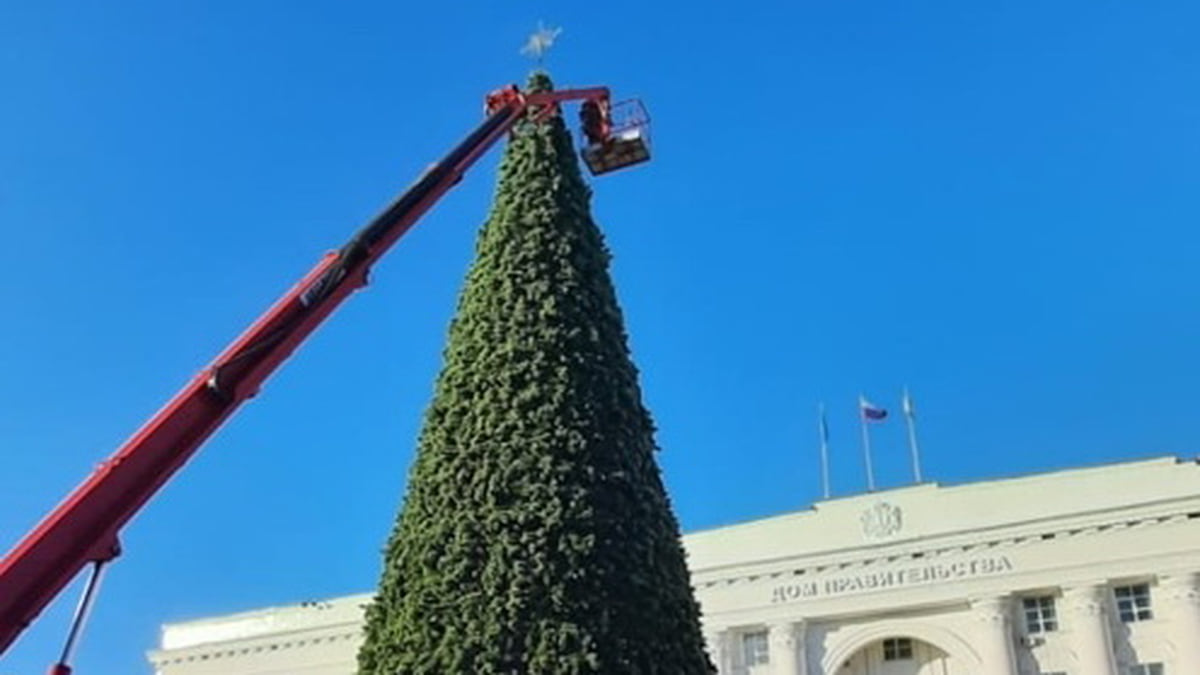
{"x":628,"y":141}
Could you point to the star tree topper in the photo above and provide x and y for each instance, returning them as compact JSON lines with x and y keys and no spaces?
{"x":540,"y":42}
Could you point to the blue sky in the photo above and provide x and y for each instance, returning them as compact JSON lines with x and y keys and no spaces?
{"x":994,"y":204}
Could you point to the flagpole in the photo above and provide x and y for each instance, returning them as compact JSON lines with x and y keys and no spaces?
{"x":824,"y":430}
{"x":910,"y":415}
{"x":866,"y":439}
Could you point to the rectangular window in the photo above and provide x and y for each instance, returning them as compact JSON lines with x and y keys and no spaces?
{"x":897,"y":649}
{"x":1133,"y":602}
{"x":1146,"y":669}
{"x":754,"y":648}
{"x":1039,"y":615}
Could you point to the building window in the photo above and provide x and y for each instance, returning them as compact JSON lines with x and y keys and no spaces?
{"x":1146,"y":669}
{"x":897,"y":649}
{"x":1039,"y":615}
{"x":1133,"y":603}
{"x":754,"y":648}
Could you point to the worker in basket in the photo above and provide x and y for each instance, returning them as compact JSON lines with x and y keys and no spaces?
{"x":592,"y":119}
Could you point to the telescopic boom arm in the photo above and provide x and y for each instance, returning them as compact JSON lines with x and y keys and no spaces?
{"x":84,"y":528}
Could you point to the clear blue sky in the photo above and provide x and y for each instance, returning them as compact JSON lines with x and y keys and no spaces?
{"x":995,"y":205}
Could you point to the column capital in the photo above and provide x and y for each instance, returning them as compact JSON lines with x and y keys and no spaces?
{"x":994,"y":637}
{"x":993,"y":608}
{"x":1179,"y":582}
{"x":1090,"y":599}
{"x":716,"y":641}
{"x":787,"y":647}
{"x":1091,"y":635}
{"x":1180,"y":589}
{"x":1180,"y":592}
{"x":786,"y":634}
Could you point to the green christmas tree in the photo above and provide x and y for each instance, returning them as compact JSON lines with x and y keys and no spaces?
{"x":536,"y":536}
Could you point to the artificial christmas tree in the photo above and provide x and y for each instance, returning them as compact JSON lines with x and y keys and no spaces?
{"x":536,"y":536}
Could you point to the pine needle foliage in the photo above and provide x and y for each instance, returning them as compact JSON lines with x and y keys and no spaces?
{"x":536,"y":536}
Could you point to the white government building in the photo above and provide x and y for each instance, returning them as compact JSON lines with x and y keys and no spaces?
{"x":1084,"y":572}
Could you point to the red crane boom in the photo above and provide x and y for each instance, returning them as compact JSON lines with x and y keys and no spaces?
{"x":84,"y":528}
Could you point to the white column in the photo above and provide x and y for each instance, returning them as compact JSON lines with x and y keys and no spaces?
{"x":720,"y":650}
{"x":1181,"y":608}
{"x":996,"y":635}
{"x":787,"y":648}
{"x":1088,"y":623}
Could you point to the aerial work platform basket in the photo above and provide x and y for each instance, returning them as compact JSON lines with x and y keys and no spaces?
{"x":616,"y":138}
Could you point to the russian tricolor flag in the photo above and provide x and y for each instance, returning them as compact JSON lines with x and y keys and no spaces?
{"x":870,"y":411}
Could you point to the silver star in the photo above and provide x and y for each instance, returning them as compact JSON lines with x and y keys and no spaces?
{"x":540,"y":42}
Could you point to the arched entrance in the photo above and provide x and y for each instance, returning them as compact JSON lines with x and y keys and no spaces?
{"x":900,"y":655}
{"x":883,"y":648}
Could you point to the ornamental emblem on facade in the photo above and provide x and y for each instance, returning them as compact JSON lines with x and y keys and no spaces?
{"x":881,"y":520}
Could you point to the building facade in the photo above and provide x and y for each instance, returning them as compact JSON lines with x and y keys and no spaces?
{"x":1084,"y":572}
